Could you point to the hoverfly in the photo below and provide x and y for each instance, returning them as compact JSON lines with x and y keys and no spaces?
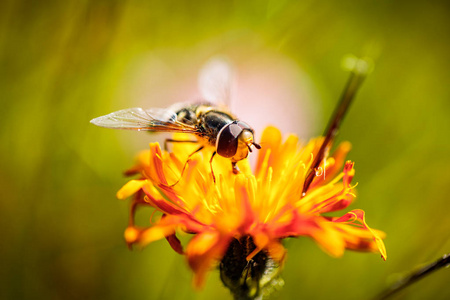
{"x":209,"y":122}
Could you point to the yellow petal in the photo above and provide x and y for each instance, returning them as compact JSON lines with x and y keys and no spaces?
{"x":330,"y":241}
{"x":131,"y":234}
{"x":130,"y":188}
{"x":202,"y":243}
{"x":156,"y":233}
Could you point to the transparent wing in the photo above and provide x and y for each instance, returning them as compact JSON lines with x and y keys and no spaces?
{"x":154,"y":119}
{"x":162,"y":114}
{"x":215,"y":81}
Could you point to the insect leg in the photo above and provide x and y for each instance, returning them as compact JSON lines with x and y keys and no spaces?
{"x":166,"y":141}
{"x":210,"y":164}
{"x":235,"y":167}
{"x":185,"y":164}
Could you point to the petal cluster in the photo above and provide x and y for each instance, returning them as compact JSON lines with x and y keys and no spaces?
{"x":266,"y":204}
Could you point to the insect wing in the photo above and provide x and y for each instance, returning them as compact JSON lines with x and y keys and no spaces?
{"x":215,"y":82}
{"x":167,"y":115}
{"x":139,"y":119}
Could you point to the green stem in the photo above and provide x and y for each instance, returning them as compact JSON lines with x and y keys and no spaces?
{"x":444,"y":261}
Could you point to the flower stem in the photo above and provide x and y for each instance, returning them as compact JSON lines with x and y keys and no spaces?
{"x":442,"y":262}
{"x":355,"y":80}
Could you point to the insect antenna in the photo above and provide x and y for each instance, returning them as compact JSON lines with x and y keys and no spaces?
{"x":257,"y":146}
{"x":354,"y":82}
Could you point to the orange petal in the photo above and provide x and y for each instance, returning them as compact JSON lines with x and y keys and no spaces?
{"x":276,"y":251}
{"x":339,"y":157}
{"x":270,"y":141}
{"x":359,"y":215}
{"x":243,"y":199}
{"x":261,"y":240}
{"x":175,"y":243}
{"x":203,"y":250}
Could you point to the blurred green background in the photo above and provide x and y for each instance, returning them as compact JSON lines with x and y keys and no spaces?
{"x":63,"y":63}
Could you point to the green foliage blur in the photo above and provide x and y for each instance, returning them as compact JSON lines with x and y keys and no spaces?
{"x":63,"y":63}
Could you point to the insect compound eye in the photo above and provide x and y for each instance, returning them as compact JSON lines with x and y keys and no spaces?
{"x":227,"y":140}
{"x":244,"y":125}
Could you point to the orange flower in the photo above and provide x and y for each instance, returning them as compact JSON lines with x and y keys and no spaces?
{"x":251,"y":212}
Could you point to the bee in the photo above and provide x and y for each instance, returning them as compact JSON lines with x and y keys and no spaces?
{"x":209,"y":122}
